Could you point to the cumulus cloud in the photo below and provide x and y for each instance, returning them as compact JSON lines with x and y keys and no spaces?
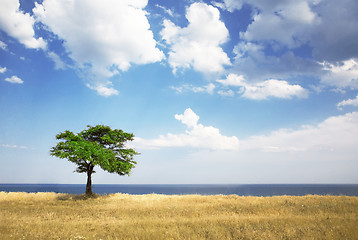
{"x":342,"y":75}
{"x":273,"y":88}
{"x":196,"y":135}
{"x":252,"y":61}
{"x":338,"y":133}
{"x":233,"y":80}
{"x":278,"y":31}
{"x":334,"y":134}
{"x":197,"y":46}
{"x":263,"y":90}
{"x":334,"y":38}
{"x":19,"y":25}
{"x":329,"y":27}
{"x":102,"y":37}
{"x":14,"y":79}
{"x":348,"y":102}
{"x":284,"y":22}
{"x":189,"y":118}
{"x":267,"y":47}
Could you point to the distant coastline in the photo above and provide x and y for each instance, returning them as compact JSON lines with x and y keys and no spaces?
{"x":201,"y":189}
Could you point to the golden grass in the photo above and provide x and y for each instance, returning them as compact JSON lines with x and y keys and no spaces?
{"x":123,"y":216}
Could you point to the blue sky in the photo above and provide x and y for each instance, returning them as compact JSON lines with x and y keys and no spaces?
{"x":223,"y":91}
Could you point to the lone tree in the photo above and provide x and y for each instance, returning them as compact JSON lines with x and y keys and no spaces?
{"x":99,"y":145}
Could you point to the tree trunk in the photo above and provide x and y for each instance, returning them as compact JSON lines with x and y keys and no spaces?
{"x":89,"y":180}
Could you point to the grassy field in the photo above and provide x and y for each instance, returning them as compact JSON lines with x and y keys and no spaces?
{"x":123,"y":216}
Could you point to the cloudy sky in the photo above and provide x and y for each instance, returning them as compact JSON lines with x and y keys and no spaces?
{"x":221,"y":91}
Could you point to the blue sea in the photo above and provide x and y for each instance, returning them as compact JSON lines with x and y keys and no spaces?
{"x":203,"y":189}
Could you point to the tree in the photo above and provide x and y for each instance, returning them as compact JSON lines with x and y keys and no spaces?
{"x":96,"y":146}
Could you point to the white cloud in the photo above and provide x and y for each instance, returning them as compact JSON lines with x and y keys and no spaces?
{"x":351,"y":102}
{"x":230,"y":5}
{"x":189,"y":118}
{"x":198,"y":44}
{"x":208,"y":88}
{"x":102,"y":37}
{"x":3,"y":46}
{"x":104,"y":90}
{"x":188,"y":87}
{"x":268,"y":46}
{"x":339,"y":133}
{"x":15,"y":146}
{"x":233,"y":80}
{"x":336,"y":134}
{"x":265,"y":89}
{"x":252,"y":62}
{"x":274,"y":88}
{"x":227,"y":93}
{"x":341,"y":75}
{"x":335,"y":36}
{"x":329,"y":26}
{"x":19,"y":25}
{"x":320,"y":153}
{"x":273,"y":40}
{"x":14,"y":79}
{"x":59,"y":64}
{"x":196,"y":135}
{"x":170,"y":12}
{"x":284,"y":22}
{"x":2,"y":69}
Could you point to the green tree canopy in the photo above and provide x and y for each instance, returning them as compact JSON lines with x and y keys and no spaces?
{"x":96,"y":146}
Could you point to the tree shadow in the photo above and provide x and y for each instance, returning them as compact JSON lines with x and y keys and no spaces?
{"x":77,"y":197}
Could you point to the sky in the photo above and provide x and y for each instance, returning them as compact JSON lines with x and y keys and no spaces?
{"x":221,"y":91}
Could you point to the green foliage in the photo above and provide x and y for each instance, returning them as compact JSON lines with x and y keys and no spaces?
{"x":97,"y":146}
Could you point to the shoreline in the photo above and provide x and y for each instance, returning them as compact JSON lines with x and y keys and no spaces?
{"x":202,"y":189}
{"x":168,"y":195}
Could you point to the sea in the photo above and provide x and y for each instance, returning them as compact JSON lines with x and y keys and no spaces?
{"x":182,"y":189}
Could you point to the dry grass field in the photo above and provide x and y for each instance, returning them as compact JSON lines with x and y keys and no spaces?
{"x":123,"y":216}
